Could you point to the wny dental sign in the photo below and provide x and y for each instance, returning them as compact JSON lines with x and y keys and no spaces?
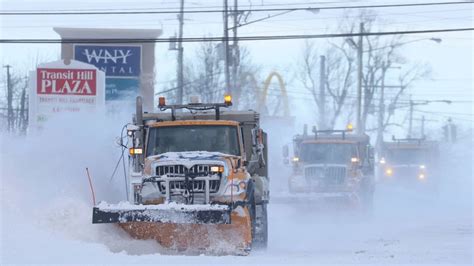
{"x":59,"y":88}
{"x":115,"y":61}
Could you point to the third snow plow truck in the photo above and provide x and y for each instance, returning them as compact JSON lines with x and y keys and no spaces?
{"x":410,"y":161}
{"x":332,"y":164}
{"x":198,"y":180}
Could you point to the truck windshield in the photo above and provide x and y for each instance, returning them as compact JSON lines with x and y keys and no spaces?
{"x":210,"y":138}
{"x":407,"y":156}
{"x":338,"y":153}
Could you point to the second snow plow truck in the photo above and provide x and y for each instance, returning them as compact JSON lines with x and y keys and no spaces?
{"x":198,"y":180}
{"x":332,"y":164}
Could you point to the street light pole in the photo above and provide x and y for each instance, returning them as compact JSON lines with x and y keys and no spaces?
{"x":226,"y":49}
{"x":380,"y":128}
{"x":235,"y":54}
{"x":180,"y":54}
{"x":412,"y":104}
{"x":322,"y":93}
{"x":360,"y":128}
{"x":410,"y":123}
{"x":423,"y":126}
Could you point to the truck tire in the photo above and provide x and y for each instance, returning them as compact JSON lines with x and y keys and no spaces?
{"x":261,"y":227}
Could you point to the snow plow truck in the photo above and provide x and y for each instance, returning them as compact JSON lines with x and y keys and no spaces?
{"x":410,"y":161}
{"x":198,"y":179}
{"x":332,"y":166}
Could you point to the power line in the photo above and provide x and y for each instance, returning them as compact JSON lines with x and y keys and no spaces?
{"x":136,"y":12}
{"x":445,"y":113}
{"x":242,"y":38}
{"x":172,"y":8}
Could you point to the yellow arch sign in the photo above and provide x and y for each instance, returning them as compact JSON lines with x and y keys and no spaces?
{"x":266,"y":85}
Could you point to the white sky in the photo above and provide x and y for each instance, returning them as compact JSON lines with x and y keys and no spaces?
{"x":451,"y":60}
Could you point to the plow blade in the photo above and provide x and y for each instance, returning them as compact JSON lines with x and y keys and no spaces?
{"x":162,"y":213}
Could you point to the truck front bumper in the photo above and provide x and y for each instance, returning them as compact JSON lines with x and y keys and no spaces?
{"x":162,"y":213}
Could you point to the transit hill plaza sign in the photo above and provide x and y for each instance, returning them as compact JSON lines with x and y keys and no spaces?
{"x":57,"y":87}
{"x":56,"y":81}
{"x":129,"y":67}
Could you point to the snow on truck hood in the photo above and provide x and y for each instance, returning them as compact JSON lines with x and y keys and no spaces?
{"x":189,"y":156}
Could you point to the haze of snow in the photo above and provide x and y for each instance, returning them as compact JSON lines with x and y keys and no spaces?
{"x":46,"y":210}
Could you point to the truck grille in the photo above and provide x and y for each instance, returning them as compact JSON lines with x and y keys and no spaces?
{"x":329,"y":175}
{"x":178,"y":172}
{"x":406,"y":171}
{"x":181,"y":169}
{"x":198,"y":186}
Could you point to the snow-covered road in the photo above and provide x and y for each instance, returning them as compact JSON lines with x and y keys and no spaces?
{"x":423,"y":232}
{"x":46,"y":216}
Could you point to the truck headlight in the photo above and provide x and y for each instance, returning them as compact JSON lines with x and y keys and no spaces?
{"x":421,"y":176}
{"x":217,"y":169}
{"x":389,"y":171}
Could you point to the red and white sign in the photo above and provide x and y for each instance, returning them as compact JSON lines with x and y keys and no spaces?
{"x":59,"y":88}
{"x":66,"y":81}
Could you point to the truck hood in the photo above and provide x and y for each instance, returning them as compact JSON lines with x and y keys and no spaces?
{"x":188,"y":159}
{"x":190,"y":156}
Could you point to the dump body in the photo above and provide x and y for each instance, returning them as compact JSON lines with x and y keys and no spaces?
{"x":196,"y":179}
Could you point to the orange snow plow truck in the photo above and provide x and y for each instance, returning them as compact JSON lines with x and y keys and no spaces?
{"x":197,"y":181}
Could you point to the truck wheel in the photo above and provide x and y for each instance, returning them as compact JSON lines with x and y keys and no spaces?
{"x":261,"y":226}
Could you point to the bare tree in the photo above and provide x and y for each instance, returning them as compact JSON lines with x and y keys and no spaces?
{"x":204,"y":76}
{"x":338,"y":80}
{"x":380,"y":53}
{"x":14,"y":109}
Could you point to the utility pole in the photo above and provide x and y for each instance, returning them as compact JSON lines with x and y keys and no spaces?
{"x":422,"y":127}
{"x":381,"y":115}
{"x":360,"y":128}
{"x":226,"y":48}
{"x":322,"y":93}
{"x":410,"y":123}
{"x":9,"y":100}
{"x":235,"y":53}
{"x":180,"y":54}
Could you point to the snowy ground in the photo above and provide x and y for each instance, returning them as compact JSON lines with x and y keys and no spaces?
{"x":410,"y":236}
{"x":46,"y":217}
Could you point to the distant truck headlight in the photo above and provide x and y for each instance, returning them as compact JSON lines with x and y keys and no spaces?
{"x":389,"y":171}
{"x":421,"y":176}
